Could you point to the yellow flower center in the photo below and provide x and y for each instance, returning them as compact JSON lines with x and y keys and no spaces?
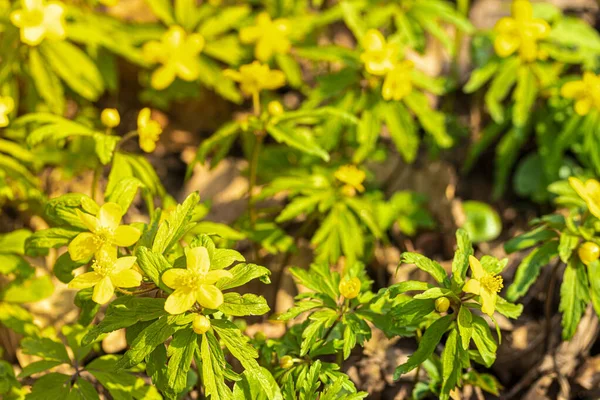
{"x":104,"y":234}
{"x":492,"y":283}
{"x":33,"y":17}
{"x":103,"y":267}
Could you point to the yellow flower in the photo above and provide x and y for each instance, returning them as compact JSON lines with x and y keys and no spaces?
{"x":589,"y":192}
{"x":194,"y":284}
{"x":109,"y":3}
{"x":104,"y":231}
{"x":275,"y":108}
{"x":271,"y":37}
{"x":350,"y":288}
{"x":586,"y":93}
{"x":588,"y":252}
{"x":256,"y":77}
{"x":109,"y":273}
{"x":397,"y":83}
{"x":520,"y":32}
{"x":148,"y":129}
{"x":442,"y":304}
{"x":39,"y":20}
{"x":177,"y":52}
{"x":110,"y":117}
{"x":7,"y":105}
{"x":487,"y":286}
{"x":379,"y":57}
{"x":352,"y":177}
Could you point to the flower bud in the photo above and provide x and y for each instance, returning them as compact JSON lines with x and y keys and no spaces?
{"x":350,"y":288}
{"x":110,"y":117}
{"x":275,"y":108}
{"x":286,"y":362}
{"x":588,"y":252}
{"x":442,"y":304}
{"x":260,"y":336}
{"x":201,"y":324}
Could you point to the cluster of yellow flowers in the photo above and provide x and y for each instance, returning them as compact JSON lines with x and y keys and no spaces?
{"x":586,"y":93}
{"x":148,"y":129}
{"x":39,"y":20}
{"x":521,"y":32}
{"x":383,"y":59}
{"x":352,"y":178}
{"x":104,"y":236}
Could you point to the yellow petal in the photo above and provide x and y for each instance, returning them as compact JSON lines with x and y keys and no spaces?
{"x":209,"y":296}
{"x":264,"y":50}
{"x":54,"y":21}
{"x":522,"y":10}
{"x":143,"y":117}
{"x":162,"y":77}
{"x":33,"y":4}
{"x":505,"y":45}
{"x":579,"y":187}
{"x":216,"y":274}
{"x":528,"y":49}
{"x":123,"y":263}
{"x":195,"y":43}
{"x":109,"y":215}
{"x":33,"y":35}
{"x":592,"y":188}
{"x":174,"y":37}
{"x":88,"y":220}
{"x":188,"y":70}
{"x":180,"y":301}
{"x":540,"y":28}
{"x":232,"y":74}
{"x":83,"y":246}
{"x":276,"y":79}
{"x":103,"y":291}
{"x":477,"y":271}
{"x":147,"y":144}
{"x":126,"y":278}
{"x":85,"y":280}
{"x":583,"y":106}
{"x":198,"y":260}
{"x":373,"y":40}
{"x":152,"y":51}
{"x":250,"y":34}
{"x":488,"y":302}
{"x":472,"y":286}
{"x":572,"y":90}
{"x":174,"y":277}
{"x":16,"y":17}
{"x":126,"y":235}
{"x":505,"y":26}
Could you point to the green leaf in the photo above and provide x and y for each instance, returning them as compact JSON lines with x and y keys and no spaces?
{"x":51,"y":387}
{"x":567,"y":243}
{"x":507,"y":309}
{"x":46,"y":82}
{"x":163,"y":10}
{"x":234,"y":304}
{"x":451,"y":363}
{"x":465,"y":326}
{"x":238,"y":346}
{"x":290,"y":68}
{"x":28,"y":291}
{"x":480,"y":77}
{"x":594,"y":276}
{"x":242,"y":274}
{"x":83,"y":390}
{"x":172,"y":229}
{"x":38,"y":366}
{"x":524,"y":96}
{"x":431,"y":267}
{"x":427,"y":345}
{"x":433,"y":122}
{"x":460,"y":263}
{"x":482,"y":222}
{"x":14,"y":242}
{"x":529,"y":269}
{"x":63,"y":210}
{"x":152,"y":336}
{"x":154,"y":265}
{"x":46,"y":348}
{"x":500,"y":88}
{"x":213,"y":365}
{"x":17,"y":319}
{"x":574,"y":296}
{"x":529,"y":239}
{"x":402,"y":129}
{"x":298,"y":138}
{"x":353,"y":20}
{"x":74,"y":67}
{"x":485,"y":343}
{"x":435,"y":293}
{"x":41,"y":241}
{"x":124,"y":312}
{"x":181,"y":351}
{"x":124,"y":192}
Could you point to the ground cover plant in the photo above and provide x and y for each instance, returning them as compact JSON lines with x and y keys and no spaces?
{"x":279,"y":199}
